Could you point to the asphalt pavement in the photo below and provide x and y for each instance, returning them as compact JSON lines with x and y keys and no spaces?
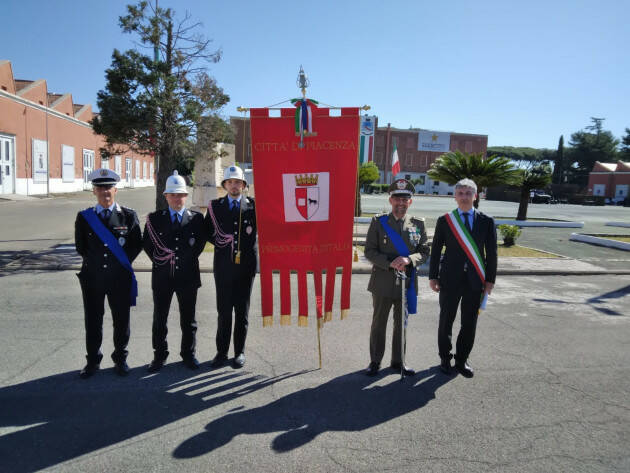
{"x":550,"y":391}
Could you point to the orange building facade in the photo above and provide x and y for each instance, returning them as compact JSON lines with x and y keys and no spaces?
{"x":417,"y":149}
{"x":47,"y":144}
{"x":611,"y":180}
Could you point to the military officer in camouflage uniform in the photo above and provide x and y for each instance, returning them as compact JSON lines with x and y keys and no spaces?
{"x":103,"y":273}
{"x":381,"y":252}
{"x":174,"y":238}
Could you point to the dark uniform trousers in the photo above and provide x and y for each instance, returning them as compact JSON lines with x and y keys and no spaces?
{"x":233,"y":281}
{"x":380,"y":251}
{"x":102,"y":276}
{"x":459,"y":282}
{"x":382,"y":305}
{"x":187,"y":241}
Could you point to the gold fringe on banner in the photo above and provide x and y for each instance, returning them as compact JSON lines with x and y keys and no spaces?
{"x":303,"y":321}
{"x":285,"y":319}
{"x":327,"y":316}
{"x":344,"y":313}
{"x":268,"y":321}
{"x":320,"y":322}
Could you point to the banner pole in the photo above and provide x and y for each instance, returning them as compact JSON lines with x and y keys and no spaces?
{"x":319,"y":342}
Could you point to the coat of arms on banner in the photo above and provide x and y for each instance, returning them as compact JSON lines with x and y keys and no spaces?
{"x":367,"y":126}
{"x":306,"y":197}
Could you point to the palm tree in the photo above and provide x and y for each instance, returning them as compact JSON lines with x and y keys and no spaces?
{"x":536,"y":177}
{"x":486,"y":172}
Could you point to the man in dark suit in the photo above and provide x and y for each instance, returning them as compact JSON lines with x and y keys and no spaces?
{"x":174,"y":238}
{"x":231,"y":228}
{"x":108,"y":238}
{"x":461,"y":275}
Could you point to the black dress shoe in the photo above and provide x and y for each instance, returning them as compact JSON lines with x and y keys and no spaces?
{"x":122,"y":368}
{"x":192,"y":363}
{"x":155,"y":365}
{"x":445,"y":365}
{"x":464,"y":369}
{"x":405,"y":369}
{"x":89,"y":370}
{"x":218,"y":361}
{"x":239,"y":361}
{"x":372,"y":369}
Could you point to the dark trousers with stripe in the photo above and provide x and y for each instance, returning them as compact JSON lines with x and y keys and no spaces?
{"x":94,"y":309}
{"x":233,"y":295}
{"x":187,"y":300}
{"x":450,"y":298}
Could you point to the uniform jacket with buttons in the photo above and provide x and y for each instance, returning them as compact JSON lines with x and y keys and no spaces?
{"x":449,"y":268}
{"x":187,"y":241}
{"x":99,"y":263}
{"x":380,"y":251}
{"x":228,"y":220}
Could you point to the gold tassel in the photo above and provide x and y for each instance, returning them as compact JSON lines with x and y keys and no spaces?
{"x":237,"y":258}
{"x":356,"y":255}
{"x":267,"y":320}
{"x":285,"y":319}
{"x":320,"y":322}
{"x":327,"y":316}
{"x":344,"y":313}
{"x":303,"y":321}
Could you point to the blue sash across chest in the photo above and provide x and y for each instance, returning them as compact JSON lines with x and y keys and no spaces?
{"x":401,"y":248}
{"x":110,"y":241}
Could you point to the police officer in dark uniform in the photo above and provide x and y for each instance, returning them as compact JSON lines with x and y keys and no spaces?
{"x":381,"y":251}
{"x":103,"y":274}
{"x":231,"y":228}
{"x":174,"y":238}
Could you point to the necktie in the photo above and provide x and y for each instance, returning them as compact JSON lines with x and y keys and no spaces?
{"x":176,"y":222}
{"x":105,"y":214}
{"x":235,"y":206}
{"x":468,"y":219}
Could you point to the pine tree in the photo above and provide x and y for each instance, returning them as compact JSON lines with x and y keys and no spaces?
{"x":160,"y":105}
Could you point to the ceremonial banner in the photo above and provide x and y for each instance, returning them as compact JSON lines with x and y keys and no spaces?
{"x":305,"y":165}
{"x":366,"y":146}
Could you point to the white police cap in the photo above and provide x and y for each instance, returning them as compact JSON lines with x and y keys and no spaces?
{"x":233,"y":172}
{"x":103,"y":177}
{"x":175,"y":184}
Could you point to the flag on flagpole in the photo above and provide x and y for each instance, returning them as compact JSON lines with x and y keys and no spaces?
{"x":395,"y":162}
{"x":366,"y":144}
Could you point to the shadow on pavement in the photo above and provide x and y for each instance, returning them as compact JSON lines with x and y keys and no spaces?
{"x":347,"y":403}
{"x":54,"y":419}
{"x":52,"y":259}
{"x":593,"y":301}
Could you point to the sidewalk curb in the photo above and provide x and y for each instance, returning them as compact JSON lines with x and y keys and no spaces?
{"x":599,"y":241}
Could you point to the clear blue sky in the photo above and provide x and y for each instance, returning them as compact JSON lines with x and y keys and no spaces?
{"x":523,"y":73}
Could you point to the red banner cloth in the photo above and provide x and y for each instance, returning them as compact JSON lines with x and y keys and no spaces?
{"x":305,"y":198}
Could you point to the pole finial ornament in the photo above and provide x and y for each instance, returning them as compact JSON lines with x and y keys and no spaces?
{"x":302,"y":81}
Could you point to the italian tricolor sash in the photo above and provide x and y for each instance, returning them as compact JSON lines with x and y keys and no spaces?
{"x":466,"y":241}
